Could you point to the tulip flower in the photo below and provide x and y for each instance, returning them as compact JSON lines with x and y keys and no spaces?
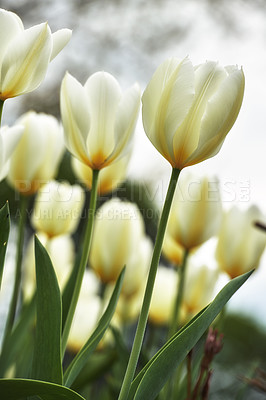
{"x":163,"y":296}
{"x":172,"y":250}
{"x":87,"y":313}
{"x":196,"y":212}
{"x":110,"y":177}
{"x":37,"y":156}
{"x":58,"y":208}
{"x":116,"y":242}
{"x":9,"y":138}
{"x":200,"y":288}
{"x":25,"y":54}
{"x":240,"y":244}
{"x":188,"y":111}
{"x":61,"y":251}
{"x":98,"y":119}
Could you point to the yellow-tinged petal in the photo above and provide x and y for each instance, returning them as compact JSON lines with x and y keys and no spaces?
{"x":166,"y":102}
{"x":58,"y":208}
{"x":104,"y":94}
{"x":240,"y":243}
{"x":119,"y":225}
{"x":10,"y":27}
{"x":60,"y":40}
{"x":38,"y":153}
{"x":25,"y":63}
{"x":75,"y":117}
{"x":9,"y":138}
{"x":220,"y":115}
{"x":109,"y":178}
{"x":208,"y":76}
{"x":125,"y":121}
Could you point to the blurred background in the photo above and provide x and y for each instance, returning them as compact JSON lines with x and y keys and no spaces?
{"x":130,"y":39}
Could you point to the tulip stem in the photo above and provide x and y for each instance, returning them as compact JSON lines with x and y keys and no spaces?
{"x":20,"y":241}
{"x":174,"y":325}
{"x":84,"y":259}
{"x":136,"y":348}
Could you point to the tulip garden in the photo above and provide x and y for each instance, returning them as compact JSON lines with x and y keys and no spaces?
{"x":102,"y":305}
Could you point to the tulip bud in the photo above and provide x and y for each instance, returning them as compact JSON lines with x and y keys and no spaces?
{"x":9,"y":138}
{"x":196,"y":212}
{"x":87,"y":313}
{"x":98,"y":119}
{"x":109,"y":178}
{"x":61,"y":251}
{"x":188,"y":111}
{"x":163,"y":296}
{"x":200,"y":288}
{"x":58,"y":208}
{"x":172,"y":250}
{"x":118,"y":233}
{"x":240,"y":243}
{"x":137,"y":268}
{"x":37,"y":156}
{"x":25,"y":54}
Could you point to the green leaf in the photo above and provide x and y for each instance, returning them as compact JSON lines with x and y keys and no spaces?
{"x":158,"y":370}
{"x":47,"y":362}
{"x":15,"y":389}
{"x":82,"y":357}
{"x":4,"y":233}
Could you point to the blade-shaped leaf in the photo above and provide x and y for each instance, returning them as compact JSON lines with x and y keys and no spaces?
{"x":158,"y":370}
{"x":15,"y":389}
{"x":4,"y":233}
{"x":47,"y":362}
{"x":82,"y":357}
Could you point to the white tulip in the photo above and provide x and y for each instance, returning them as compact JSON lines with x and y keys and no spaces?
{"x":188,"y":111}
{"x":98,"y":120}
{"x":25,"y":54}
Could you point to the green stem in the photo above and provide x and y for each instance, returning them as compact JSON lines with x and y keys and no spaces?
{"x":174,"y":325}
{"x":84,"y":259}
{"x":15,"y":294}
{"x":135,"y":352}
{"x":1,"y":110}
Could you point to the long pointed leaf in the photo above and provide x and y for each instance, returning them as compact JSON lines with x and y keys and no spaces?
{"x":47,"y":362}
{"x":16,"y":389}
{"x":158,"y":370}
{"x":4,"y":233}
{"x":82,"y":357}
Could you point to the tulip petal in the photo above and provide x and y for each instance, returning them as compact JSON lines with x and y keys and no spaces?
{"x":166,"y":102}
{"x":54,"y":146}
{"x":9,"y":138}
{"x":152,"y":94}
{"x":219,"y":116}
{"x":126,"y":119}
{"x":75,"y":117}
{"x":60,"y":40}
{"x":208,"y":77}
{"x":104,"y":94}
{"x":25,"y":64}
{"x":23,"y":167}
{"x":10,"y":26}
